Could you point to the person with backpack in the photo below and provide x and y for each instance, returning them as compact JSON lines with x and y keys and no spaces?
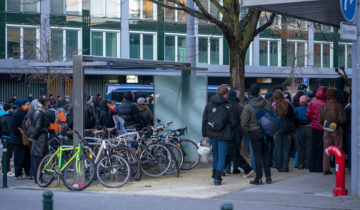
{"x":51,"y":116}
{"x":39,"y":134}
{"x":332,"y":116}
{"x":282,"y":139}
{"x":146,"y":115}
{"x":217,"y":123}
{"x":21,"y":151}
{"x":5,"y":117}
{"x":56,"y":117}
{"x":250,"y":125}
{"x":303,"y":134}
{"x":312,"y":113}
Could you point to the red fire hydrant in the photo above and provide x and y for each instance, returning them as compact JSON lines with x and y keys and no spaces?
{"x":339,"y":190}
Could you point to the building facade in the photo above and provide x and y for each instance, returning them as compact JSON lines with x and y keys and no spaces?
{"x":58,"y":29}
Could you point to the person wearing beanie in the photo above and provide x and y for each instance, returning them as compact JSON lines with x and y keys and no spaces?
{"x":5,"y":116}
{"x":21,"y":152}
{"x":146,"y":115}
{"x":129,"y":111}
{"x":303,"y":134}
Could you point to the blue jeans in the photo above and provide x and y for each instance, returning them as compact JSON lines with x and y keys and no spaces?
{"x":282,"y":144}
{"x":219,"y":150}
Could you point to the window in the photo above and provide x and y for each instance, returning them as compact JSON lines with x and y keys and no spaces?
{"x":344,"y":55}
{"x":142,"y":9}
{"x":210,"y":50}
{"x":323,"y":28}
{"x":213,"y":11}
{"x":323,"y":54}
{"x":68,"y":7}
{"x":30,"y":6}
{"x":22,"y":42}
{"x":175,"y":15}
{"x":143,"y":46}
{"x":105,"y":43}
{"x":297,"y":53}
{"x":105,"y":8}
{"x":248,"y":56}
{"x":65,"y":43}
{"x":175,"y":48}
{"x":269,"y":52}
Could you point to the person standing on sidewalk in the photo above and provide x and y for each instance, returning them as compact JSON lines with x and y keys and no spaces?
{"x":303,"y":134}
{"x":21,"y":152}
{"x":249,"y":124}
{"x":312,"y":113}
{"x":5,"y":117}
{"x":332,"y":113}
{"x":216,"y":128}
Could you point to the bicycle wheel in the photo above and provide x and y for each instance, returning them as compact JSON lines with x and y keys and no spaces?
{"x":46,"y":171}
{"x":177,"y":156}
{"x":78,"y":176}
{"x":113,"y":171}
{"x":155,"y":160}
{"x":191,"y":156}
{"x":133,"y":160}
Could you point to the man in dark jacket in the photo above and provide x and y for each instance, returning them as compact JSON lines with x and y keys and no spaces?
{"x":5,"y":117}
{"x":129,"y":111}
{"x":39,"y":139}
{"x":249,"y":124}
{"x":218,"y":131}
{"x":90,"y":120}
{"x":21,"y":152}
{"x":105,"y":112}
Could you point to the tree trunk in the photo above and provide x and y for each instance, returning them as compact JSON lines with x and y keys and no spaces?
{"x":237,"y":70}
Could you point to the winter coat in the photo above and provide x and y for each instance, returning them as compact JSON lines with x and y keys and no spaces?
{"x":129,"y":111}
{"x":16,"y":123}
{"x":313,"y":111}
{"x":39,"y":144}
{"x":104,"y":116}
{"x":237,"y":108}
{"x":249,"y":122}
{"x":288,"y":121}
{"x":149,"y":116}
{"x":332,"y":111}
{"x":90,"y":120}
{"x":342,"y":96}
{"x":300,"y":113}
{"x":4,"y":123}
{"x":225,"y":133}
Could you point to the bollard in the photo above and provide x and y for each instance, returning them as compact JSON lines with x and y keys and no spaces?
{"x":226,"y":206}
{"x":339,"y":190}
{"x":47,"y":200}
{"x":4,"y":162}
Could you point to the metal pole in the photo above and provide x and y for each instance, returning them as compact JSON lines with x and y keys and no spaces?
{"x":5,"y":162}
{"x":47,"y":200}
{"x":78,"y":98}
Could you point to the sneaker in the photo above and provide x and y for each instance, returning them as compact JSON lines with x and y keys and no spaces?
{"x":256,"y":182}
{"x":19,"y":178}
{"x":10,"y":173}
{"x":248,"y":175}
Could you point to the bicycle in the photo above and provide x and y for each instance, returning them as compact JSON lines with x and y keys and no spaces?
{"x":77,"y":172}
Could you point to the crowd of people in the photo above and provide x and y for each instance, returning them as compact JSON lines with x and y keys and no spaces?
{"x":29,"y":123}
{"x":308,"y":124}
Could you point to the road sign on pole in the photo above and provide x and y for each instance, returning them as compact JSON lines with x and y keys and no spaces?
{"x":305,"y":81}
{"x":348,"y":31}
{"x":348,"y":9}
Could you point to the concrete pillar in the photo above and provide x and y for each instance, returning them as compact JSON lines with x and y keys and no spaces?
{"x":45,"y":32}
{"x":124,"y":32}
{"x":256,"y":51}
{"x":310,"y":59}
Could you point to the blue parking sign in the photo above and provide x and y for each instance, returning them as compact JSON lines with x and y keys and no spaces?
{"x":305,"y":81}
{"x":348,"y":9}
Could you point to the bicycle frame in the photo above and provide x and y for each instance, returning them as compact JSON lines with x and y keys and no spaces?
{"x":59,"y":154}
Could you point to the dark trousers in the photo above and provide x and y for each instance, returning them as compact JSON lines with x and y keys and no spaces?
{"x":21,"y":159}
{"x":35,"y":161}
{"x":303,"y":145}
{"x":219,"y":149}
{"x":10,"y":151}
{"x":316,"y":151}
{"x":262,"y":156}
{"x":235,"y":157}
{"x":282,"y":143}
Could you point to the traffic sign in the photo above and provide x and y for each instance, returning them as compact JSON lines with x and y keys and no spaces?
{"x":305,"y":81}
{"x":348,"y":9}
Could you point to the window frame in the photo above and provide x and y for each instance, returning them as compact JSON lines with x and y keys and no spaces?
{"x":22,"y":7}
{"x":221,"y":48}
{"x":268,"y":40}
{"x":104,"y":31}
{"x":305,"y":50}
{"x":21,"y":28}
{"x":141,"y":33}
{"x":176,"y":35}
{"x":79,"y":30}
{"x":104,"y":11}
{"x":141,"y":9}
{"x":322,"y":53}
{"x":345,"y":44}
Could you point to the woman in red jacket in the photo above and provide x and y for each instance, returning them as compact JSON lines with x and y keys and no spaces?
{"x":312,"y":114}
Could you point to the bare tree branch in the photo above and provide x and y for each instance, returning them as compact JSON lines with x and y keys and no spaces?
{"x":221,"y":9}
{"x":267,"y":24}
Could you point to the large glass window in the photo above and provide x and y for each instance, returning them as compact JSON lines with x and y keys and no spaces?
{"x":142,"y":9}
{"x":30,"y":6}
{"x":97,"y":43}
{"x":323,"y":54}
{"x":175,"y":48}
{"x":105,"y":43}
{"x":170,"y":48}
{"x":344,"y":55}
{"x":203,"y":48}
{"x":213,"y":11}
{"x":210,"y":49}
{"x":112,"y":44}
{"x":71,"y":44}
{"x":296,"y":52}
{"x":22,"y":43}
{"x":181,"y":56}
{"x":175,"y":15}
{"x":214,"y":51}
{"x":341,"y":55}
{"x":65,"y":43}
{"x":69,"y":7}
{"x":57,"y":44}
{"x":142,"y":46}
{"x":349,"y":56}
{"x":269,"y":52}
{"x":105,"y":8}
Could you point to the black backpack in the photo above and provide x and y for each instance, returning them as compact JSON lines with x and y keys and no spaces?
{"x":218,"y":117}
